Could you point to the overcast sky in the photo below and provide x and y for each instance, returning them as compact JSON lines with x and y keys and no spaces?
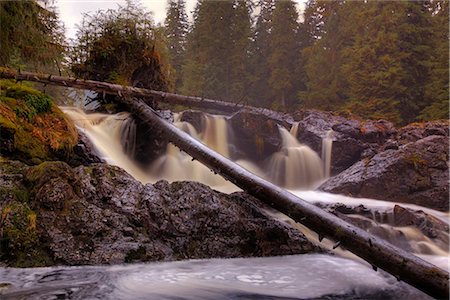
{"x":71,"y":11}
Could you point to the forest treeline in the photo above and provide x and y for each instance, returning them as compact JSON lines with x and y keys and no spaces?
{"x":375,"y":59}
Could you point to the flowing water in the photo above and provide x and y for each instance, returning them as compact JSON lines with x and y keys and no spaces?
{"x":286,"y":277}
{"x":295,"y":167}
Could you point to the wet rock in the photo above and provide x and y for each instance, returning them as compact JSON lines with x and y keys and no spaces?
{"x":416,"y":172}
{"x":429,"y":225}
{"x":84,"y":152}
{"x":195,"y":118}
{"x":256,"y":135}
{"x":395,"y":224}
{"x":416,"y":131}
{"x":199,"y":221}
{"x":150,"y":143}
{"x":99,"y":214}
{"x":352,"y":138}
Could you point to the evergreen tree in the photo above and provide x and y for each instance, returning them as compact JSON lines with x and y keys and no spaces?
{"x":284,"y":51}
{"x":387,"y":64}
{"x":240,"y":51}
{"x":260,"y":50}
{"x":207,"y":70}
{"x":31,"y":35}
{"x":217,"y":51}
{"x":437,"y":86}
{"x":328,"y":25}
{"x":176,"y":29}
{"x":377,"y":59}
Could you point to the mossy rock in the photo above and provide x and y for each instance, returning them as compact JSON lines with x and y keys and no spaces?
{"x":32,"y":128}
{"x":19,"y":240}
{"x":39,"y":175}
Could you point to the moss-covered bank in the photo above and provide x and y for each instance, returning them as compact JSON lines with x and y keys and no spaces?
{"x":32,"y":128}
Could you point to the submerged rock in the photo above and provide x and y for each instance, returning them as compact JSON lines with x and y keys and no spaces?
{"x":100,"y":215}
{"x":416,"y":172}
{"x":409,"y":229}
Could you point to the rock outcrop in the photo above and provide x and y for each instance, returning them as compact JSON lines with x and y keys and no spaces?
{"x":257,"y":136}
{"x":353,"y":139}
{"x":416,"y":172}
{"x":55,"y":214}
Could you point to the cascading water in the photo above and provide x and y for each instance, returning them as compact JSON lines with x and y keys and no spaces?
{"x":107,"y":133}
{"x":327,"y":144}
{"x":176,"y":165}
{"x":295,"y":166}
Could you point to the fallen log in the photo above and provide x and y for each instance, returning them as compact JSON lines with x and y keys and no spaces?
{"x":124,"y":91}
{"x":403,"y":265}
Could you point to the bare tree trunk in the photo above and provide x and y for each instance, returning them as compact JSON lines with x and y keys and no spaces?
{"x":403,"y":265}
{"x":121,"y":90}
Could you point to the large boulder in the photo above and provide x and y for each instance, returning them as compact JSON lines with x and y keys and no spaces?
{"x":55,"y":214}
{"x":416,"y":172}
{"x":256,"y":135}
{"x":352,"y":138}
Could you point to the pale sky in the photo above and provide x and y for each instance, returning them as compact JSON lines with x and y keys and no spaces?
{"x":71,"y":11}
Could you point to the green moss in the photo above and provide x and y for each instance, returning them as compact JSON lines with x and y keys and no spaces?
{"x":112,"y":174}
{"x":48,"y":170}
{"x":39,"y":103}
{"x":37,"y":129}
{"x":15,"y":193}
{"x":29,"y":145}
{"x":19,"y":240}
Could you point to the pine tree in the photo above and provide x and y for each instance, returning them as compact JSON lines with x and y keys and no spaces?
{"x":328,"y":26}
{"x":284,"y":50}
{"x":240,"y":51}
{"x":217,"y":51}
{"x":31,"y":35}
{"x":437,"y":85}
{"x":260,"y":50}
{"x":176,"y":29}
{"x":387,"y":65}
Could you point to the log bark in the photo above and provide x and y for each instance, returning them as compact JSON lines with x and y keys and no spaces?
{"x":123,"y":91}
{"x":403,"y":265}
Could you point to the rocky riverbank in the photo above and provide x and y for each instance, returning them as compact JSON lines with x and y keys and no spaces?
{"x":98,"y":214}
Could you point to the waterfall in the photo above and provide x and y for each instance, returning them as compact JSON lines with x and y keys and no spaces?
{"x":327,"y":144}
{"x":128,"y":136}
{"x":107,"y":133}
{"x":215,"y":135}
{"x":295,"y":166}
{"x":176,"y":165}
